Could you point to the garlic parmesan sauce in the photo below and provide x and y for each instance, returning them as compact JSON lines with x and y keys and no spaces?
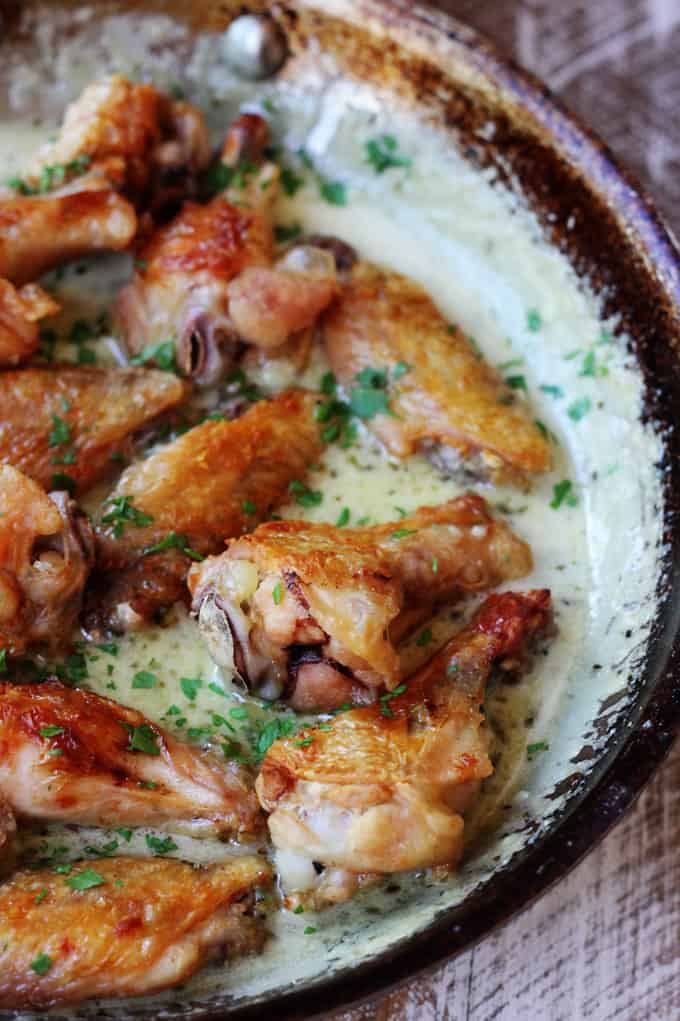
{"x":593,"y":523}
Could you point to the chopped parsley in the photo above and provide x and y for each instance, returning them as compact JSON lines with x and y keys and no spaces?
{"x":290,"y":181}
{"x":563,"y":493}
{"x":109,"y":647}
{"x":579,"y":408}
{"x":303,"y":495}
{"x":160,"y":846}
{"x":401,"y":533}
{"x":309,"y":930}
{"x":299,"y":910}
{"x":215,"y":688}
{"x":271,"y":732}
{"x":369,"y":396}
{"x":552,"y":391}
{"x":174,"y":540}
{"x":51,"y":731}
{"x":3,"y":661}
{"x":60,"y":432}
{"x":434,"y":564}
{"x":383,"y":154}
{"x":125,"y":834}
{"x":105,"y":851}
{"x":85,"y":880}
{"x":589,"y":366}
{"x":249,"y":507}
{"x":517,"y":382}
{"x":123,"y":513}
{"x":162,"y":354}
{"x":343,"y":518}
{"x":284,"y":233}
{"x":333,"y":192}
{"x":534,"y":321}
{"x":328,"y":384}
{"x":41,"y":964}
{"x":143,"y":739}
{"x":277,"y":593}
{"x":40,"y":897}
{"x":387,"y":697}
{"x":190,"y":686}
{"x":425,"y":637}
{"x":144,"y":679}
{"x":539,"y":746}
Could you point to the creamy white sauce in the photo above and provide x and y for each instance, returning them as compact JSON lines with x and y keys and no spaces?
{"x":481,"y":256}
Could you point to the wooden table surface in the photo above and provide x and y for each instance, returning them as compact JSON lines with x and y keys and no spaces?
{"x":604,"y":944}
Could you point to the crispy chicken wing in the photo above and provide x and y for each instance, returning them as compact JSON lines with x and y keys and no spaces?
{"x":316,"y":610}
{"x":208,"y":277}
{"x":72,"y":420}
{"x":217,"y":480}
{"x":150,"y":141}
{"x":442,"y":395}
{"x":46,"y":552}
{"x":130,"y":927}
{"x":39,"y":232}
{"x":20,"y":313}
{"x":382,"y":788}
{"x":71,"y":755}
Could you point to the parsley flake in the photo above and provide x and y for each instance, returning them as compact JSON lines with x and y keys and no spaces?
{"x":159,"y":846}
{"x":41,"y":964}
{"x":383,"y":154}
{"x":123,"y":513}
{"x":563,"y":493}
{"x":173,"y":540}
{"x":144,"y":679}
{"x":162,"y":354}
{"x":85,"y":880}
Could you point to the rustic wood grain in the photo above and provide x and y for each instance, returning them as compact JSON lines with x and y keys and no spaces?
{"x":604,"y":944}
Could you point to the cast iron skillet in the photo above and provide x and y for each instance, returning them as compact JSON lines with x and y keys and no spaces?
{"x":616,"y":240}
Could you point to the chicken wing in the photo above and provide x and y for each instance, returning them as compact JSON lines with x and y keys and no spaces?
{"x":123,"y":927}
{"x":46,"y":552}
{"x":39,"y":232}
{"x":72,"y":420}
{"x":20,"y":313}
{"x":217,"y":480}
{"x":386,"y":335}
{"x":149,"y":140}
{"x":208,"y":277}
{"x":382,"y":788}
{"x":316,"y":610}
{"x":73,"y":756}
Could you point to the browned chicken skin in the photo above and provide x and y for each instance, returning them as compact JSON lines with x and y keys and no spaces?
{"x":46,"y":552}
{"x":217,"y":480}
{"x":146,"y":139}
{"x":39,"y":232}
{"x":73,"y":756}
{"x":100,"y":410}
{"x":20,"y":314}
{"x":208,"y":277}
{"x":141,"y":926}
{"x":382,"y":788}
{"x":318,"y":610}
{"x":444,"y":396}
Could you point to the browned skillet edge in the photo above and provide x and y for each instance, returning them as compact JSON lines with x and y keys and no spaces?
{"x":621,"y":245}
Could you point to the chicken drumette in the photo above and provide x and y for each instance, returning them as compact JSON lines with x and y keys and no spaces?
{"x":315,"y":611}
{"x":209,"y":277}
{"x":382,"y":788}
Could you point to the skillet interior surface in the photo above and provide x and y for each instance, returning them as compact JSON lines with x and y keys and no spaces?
{"x":618,"y":710}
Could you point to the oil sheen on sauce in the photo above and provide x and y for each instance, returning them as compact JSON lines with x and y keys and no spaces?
{"x":482,"y":258}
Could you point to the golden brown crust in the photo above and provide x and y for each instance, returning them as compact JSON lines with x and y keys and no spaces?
{"x":40,"y":232}
{"x":20,"y":313}
{"x":147,"y":925}
{"x":381,"y":787}
{"x":102,"y":776}
{"x":448,"y":396}
{"x":102,"y":408}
